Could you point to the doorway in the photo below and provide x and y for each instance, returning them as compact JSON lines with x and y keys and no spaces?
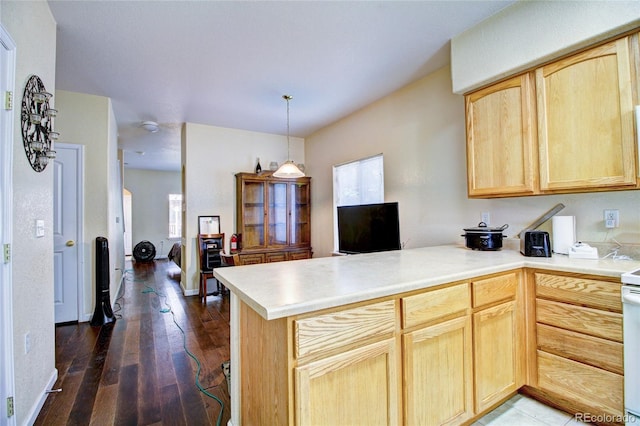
{"x":67,"y":232}
{"x":7,"y":84}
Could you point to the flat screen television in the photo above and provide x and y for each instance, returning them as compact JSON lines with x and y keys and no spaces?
{"x":368,"y":228}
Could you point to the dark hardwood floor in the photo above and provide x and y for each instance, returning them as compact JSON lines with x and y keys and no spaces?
{"x":136,"y":371}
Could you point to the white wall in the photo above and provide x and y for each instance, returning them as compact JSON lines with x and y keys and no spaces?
{"x":150,"y":191}
{"x":528,"y":33}
{"x":33,"y":28}
{"x":211,"y":156}
{"x":88,"y":120}
{"x":421,"y":132}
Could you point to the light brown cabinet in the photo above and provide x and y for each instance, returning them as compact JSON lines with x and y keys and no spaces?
{"x":585,"y":120}
{"x":501,"y":150}
{"x":444,"y":355}
{"x":564,"y":127}
{"x":273,"y":217}
{"x":348,"y":367}
{"x":498,"y":333}
{"x":579,"y":343}
{"x":437,"y":357}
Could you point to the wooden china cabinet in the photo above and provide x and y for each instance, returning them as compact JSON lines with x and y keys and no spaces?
{"x":273,"y":216}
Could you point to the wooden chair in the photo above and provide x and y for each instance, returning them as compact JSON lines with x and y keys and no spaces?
{"x":210,"y":247}
{"x":231,"y":259}
{"x":228,"y":260}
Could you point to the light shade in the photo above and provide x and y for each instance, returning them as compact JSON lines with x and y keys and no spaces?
{"x":288,"y":170}
{"x":150,"y":126}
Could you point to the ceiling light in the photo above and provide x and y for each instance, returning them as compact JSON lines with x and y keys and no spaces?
{"x":150,"y":126}
{"x":288,"y":169}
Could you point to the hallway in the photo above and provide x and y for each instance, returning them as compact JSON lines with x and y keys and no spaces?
{"x":137,"y":371}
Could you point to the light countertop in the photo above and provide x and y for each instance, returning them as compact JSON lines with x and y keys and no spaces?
{"x":281,"y":289}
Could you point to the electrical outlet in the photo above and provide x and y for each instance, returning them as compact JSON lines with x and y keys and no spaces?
{"x":485,"y":217}
{"x":611,"y":218}
{"x":27,"y":343}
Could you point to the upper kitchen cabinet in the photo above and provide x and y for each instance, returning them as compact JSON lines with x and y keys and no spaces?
{"x":585,"y":120}
{"x":564,"y":127}
{"x":501,"y":139}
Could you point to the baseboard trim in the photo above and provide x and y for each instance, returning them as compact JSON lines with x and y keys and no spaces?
{"x":35,"y":410}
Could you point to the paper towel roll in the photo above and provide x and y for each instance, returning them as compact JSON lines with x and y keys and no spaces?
{"x":564,"y":233}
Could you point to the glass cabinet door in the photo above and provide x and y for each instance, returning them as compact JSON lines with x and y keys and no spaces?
{"x":300,"y":214}
{"x":277,"y":213}
{"x":254,"y":213}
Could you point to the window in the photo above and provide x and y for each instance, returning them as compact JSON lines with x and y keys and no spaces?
{"x":357,"y":182}
{"x":175,"y":215}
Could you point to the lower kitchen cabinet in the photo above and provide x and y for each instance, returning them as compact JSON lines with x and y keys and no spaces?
{"x":441,"y":356}
{"x":438,"y":373}
{"x":437,"y":356}
{"x":579,"y":344}
{"x":347,"y":366}
{"x":357,"y":386}
{"x":498,"y":339}
{"x":495,"y":354}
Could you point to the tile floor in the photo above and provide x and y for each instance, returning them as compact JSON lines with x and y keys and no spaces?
{"x":524,"y":411}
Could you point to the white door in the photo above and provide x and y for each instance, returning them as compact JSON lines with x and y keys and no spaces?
{"x":128,"y":246}
{"x":66,"y":225}
{"x":7,"y":84}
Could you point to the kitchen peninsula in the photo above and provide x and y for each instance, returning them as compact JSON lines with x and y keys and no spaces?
{"x":423,"y":336}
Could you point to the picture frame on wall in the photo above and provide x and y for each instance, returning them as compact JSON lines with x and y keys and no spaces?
{"x":208,"y":224}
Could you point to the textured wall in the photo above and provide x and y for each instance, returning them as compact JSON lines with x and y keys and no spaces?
{"x":211,"y":157}
{"x":531,"y":32}
{"x":150,"y":191}
{"x":420,"y":130}
{"x":88,"y":120}
{"x":32,"y":27}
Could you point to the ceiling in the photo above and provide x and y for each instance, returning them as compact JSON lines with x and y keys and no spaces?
{"x":228,"y":63}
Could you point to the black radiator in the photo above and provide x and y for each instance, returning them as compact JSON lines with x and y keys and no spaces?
{"x":103,"y":314}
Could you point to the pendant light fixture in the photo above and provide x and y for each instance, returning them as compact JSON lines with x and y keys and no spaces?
{"x":288,"y":169}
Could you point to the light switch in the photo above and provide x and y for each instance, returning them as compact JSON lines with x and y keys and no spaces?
{"x":39,"y":228}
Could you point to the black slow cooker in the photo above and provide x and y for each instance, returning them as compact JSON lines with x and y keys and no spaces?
{"x":483,"y":237}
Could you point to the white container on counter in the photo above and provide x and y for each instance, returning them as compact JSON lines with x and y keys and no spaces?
{"x":563,"y":229}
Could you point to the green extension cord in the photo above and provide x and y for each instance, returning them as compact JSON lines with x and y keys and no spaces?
{"x":184,"y":345}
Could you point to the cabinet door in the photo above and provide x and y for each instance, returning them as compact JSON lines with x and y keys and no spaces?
{"x":501,"y":139}
{"x":277,"y":233}
{"x":356,"y":387}
{"x":300,"y":214}
{"x":253,"y":214}
{"x":497,"y":366}
{"x":585,"y":120}
{"x":438,"y":374}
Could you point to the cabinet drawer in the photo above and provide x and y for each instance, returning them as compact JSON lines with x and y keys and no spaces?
{"x":279,"y":256}
{"x":494,"y":289}
{"x":579,"y":291}
{"x":570,"y":379}
{"x":429,"y":306}
{"x":250,"y":259}
{"x":593,"y":322}
{"x":335,"y":329}
{"x":580,"y":347}
{"x":298,"y":255}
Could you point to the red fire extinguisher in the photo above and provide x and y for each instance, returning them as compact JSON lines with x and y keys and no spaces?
{"x":234,"y":243}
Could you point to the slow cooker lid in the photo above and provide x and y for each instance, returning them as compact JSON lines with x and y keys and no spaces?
{"x":483,"y":228}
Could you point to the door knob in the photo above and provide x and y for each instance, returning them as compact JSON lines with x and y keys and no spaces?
{"x":70,"y":243}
